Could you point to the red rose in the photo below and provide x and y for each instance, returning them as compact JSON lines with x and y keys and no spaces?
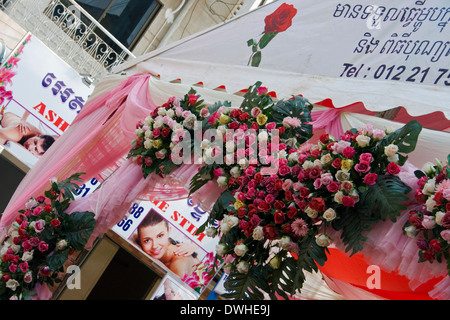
{"x":233,"y":125}
{"x":348,"y":152}
{"x":45,"y":272}
{"x":337,"y":163}
{"x":370,"y":178}
{"x":288,"y":195}
{"x":242,"y":212}
{"x":6,"y":277}
{"x":43,"y":246}
{"x":270,"y":232}
{"x":278,"y":184}
{"x":278,"y":205}
{"x":281,"y":19}
{"x":192,"y":99}
{"x":348,"y":201}
{"x":428,"y":255}
{"x":436,"y":245}
{"x":317,"y":204}
{"x":48,"y":208}
{"x":324,"y":138}
{"x":333,"y":187}
{"x":165,"y":132}
{"x":446,"y":220}
{"x":393,"y":168}
{"x":236,"y":113}
{"x":278,"y":216}
{"x":264,"y":206}
{"x":292,"y":212}
{"x":304,"y":192}
{"x":55,"y":223}
{"x":244,"y":117}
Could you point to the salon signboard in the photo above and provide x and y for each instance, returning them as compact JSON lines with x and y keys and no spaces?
{"x":167,"y":231}
{"x":40,"y":95}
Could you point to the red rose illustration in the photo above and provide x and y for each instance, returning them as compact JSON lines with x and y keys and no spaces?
{"x":281,"y":19}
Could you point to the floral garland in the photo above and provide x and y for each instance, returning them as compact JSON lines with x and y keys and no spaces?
{"x":41,"y":240}
{"x":273,"y":214}
{"x":431,"y":224}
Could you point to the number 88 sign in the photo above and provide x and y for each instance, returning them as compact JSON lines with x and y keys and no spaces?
{"x":131,"y":220}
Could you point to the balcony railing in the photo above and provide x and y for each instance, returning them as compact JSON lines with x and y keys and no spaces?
{"x":71,"y":33}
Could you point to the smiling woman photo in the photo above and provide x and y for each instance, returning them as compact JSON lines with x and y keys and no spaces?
{"x":153,"y":235}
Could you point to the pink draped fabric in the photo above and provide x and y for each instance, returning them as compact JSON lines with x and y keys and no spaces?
{"x":329,"y":119}
{"x":95,"y":142}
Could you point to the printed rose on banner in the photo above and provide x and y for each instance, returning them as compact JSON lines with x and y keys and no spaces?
{"x":40,"y":241}
{"x":204,"y":273}
{"x":431,"y":224}
{"x":279,"y":21}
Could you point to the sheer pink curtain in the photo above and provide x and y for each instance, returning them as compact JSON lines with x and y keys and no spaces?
{"x":96,"y":141}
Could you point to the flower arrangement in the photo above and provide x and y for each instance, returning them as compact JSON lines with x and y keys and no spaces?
{"x":431,"y":224}
{"x":274,"y":227}
{"x":165,"y":128}
{"x":199,"y":279}
{"x":41,"y":240}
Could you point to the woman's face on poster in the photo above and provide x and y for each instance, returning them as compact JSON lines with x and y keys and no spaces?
{"x":155,"y":239}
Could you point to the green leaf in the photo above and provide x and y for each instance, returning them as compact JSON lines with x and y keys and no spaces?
{"x":78,"y":228}
{"x":245,"y":286}
{"x":256,"y":59}
{"x":57,"y":259}
{"x":405,"y":138}
{"x":266,"y":38}
{"x":69,"y":187}
{"x":218,"y":210}
{"x":385,"y":198}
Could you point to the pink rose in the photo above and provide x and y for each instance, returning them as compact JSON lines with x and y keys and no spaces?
{"x":348,"y":201}
{"x":428,"y":222}
{"x":270,"y":198}
{"x":333,"y":187}
{"x":250,"y":171}
{"x":393,"y":168}
{"x":24,"y":266}
{"x":192,"y":99}
{"x":445,"y":234}
{"x":39,"y":225}
{"x":262,"y":90}
{"x":43,"y":246}
{"x":218,"y":172}
{"x":287,"y":184}
{"x":37,"y":211}
{"x":347,"y":186}
{"x":156,"y":132}
{"x":367,"y":157}
{"x":13,"y":268}
{"x":370,"y":178}
{"x":317,"y":183}
{"x":148,"y":161}
{"x":348,"y":152}
{"x":26,"y":245}
{"x":28,"y":278}
{"x":284,"y":170}
{"x":271,"y":125}
{"x":255,"y":112}
{"x":362,"y":167}
{"x":34,"y":242}
{"x":326,"y":178}
{"x":204,"y":112}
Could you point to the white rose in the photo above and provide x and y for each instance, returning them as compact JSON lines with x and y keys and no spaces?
{"x":323,"y":240}
{"x":170,"y":113}
{"x":148,"y":134}
{"x":240,"y":249}
{"x":293,"y":157}
{"x":342,"y":175}
{"x":235,"y":172}
{"x":284,"y":242}
{"x":148,"y":120}
{"x":318,"y":163}
{"x":139,"y":132}
{"x":177,"y":126}
{"x":243,"y":163}
{"x":329,"y":214}
{"x":242,"y":267}
{"x":393,"y":158}
{"x":232,"y":221}
{"x":282,"y":154}
{"x":12,"y":284}
{"x":263,"y":136}
{"x":222,"y":181}
{"x":431,"y":204}
{"x":429,"y":187}
{"x":311,"y":213}
{"x":211,"y":232}
{"x":362,"y":140}
{"x":15,"y":248}
{"x":338,"y":197}
{"x":209,"y":153}
{"x":162,"y":112}
{"x":158,"y":124}
{"x":148,"y":143}
{"x":221,"y":130}
{"x":220,"y":250}
{"x":61,"y":245}
{"x":326,"y":158}
{"x":225,"y":227}
{"x":411,"y":231}
{"x":390,"y":150}
{"x":258,"y":233}
{"x":229,"y":146}
{"x":189,"y":122}
{"x":438,"y":217}
{"x":428,"y":168}
{"x":308,"y":165}
{"x":27,"y":256}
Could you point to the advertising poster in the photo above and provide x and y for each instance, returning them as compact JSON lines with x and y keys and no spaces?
{"x":167,"y":233}
{"x":171,"y":289}
{"x":40,"y":96}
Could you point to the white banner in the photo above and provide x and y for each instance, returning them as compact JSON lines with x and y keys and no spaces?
{"x":384,"y":53}
{"x":40,"y":95}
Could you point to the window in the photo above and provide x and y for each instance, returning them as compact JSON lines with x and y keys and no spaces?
{"x":126,"y":20}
